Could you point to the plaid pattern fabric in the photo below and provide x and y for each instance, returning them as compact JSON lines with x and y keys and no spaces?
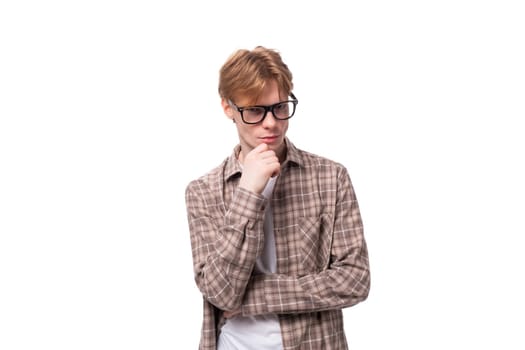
{"x":322,"y":259}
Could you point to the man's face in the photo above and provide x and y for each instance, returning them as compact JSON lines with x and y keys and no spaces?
{"x":270,"y":131}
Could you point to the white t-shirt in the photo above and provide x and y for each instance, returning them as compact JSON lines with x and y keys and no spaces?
{"x":263,"y":331}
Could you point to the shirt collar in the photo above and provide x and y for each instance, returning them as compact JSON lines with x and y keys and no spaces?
{"x":233,"y":167}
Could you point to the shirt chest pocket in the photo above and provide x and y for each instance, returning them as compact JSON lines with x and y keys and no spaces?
{"x":315,"y":243}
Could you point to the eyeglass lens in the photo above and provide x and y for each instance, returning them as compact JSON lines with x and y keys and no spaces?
{"x":283,"y":110}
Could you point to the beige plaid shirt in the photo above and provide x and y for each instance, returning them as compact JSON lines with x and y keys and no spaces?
{"x":322,"y":259}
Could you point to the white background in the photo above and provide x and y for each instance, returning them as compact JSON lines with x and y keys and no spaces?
{"x":109,"y":108}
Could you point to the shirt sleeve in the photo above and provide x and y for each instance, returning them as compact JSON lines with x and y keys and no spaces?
{"x":345,"y":281}
{"x":224,"y":250}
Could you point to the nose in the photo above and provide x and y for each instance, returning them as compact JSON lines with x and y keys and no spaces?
{"x":269,"y":121}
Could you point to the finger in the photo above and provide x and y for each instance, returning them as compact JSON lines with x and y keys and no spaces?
{"x":268,"y":154}
{"x":261,"y":148}
{"x":276,"y":170}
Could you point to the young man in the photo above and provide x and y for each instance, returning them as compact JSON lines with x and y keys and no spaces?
{"x":276,"y":232}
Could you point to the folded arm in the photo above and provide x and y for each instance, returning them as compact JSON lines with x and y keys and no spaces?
{"x":344,"y":282}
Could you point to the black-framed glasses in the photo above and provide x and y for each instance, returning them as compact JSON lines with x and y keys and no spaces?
{"x":255,"y":114}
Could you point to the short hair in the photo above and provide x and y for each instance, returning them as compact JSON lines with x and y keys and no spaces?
{"x":246,"y":73}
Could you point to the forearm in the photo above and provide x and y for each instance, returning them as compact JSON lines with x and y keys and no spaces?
{"x":225,"y":249}
{"x":334,"y":288}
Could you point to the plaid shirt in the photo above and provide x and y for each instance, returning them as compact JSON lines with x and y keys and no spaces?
{"x":322,"y":259}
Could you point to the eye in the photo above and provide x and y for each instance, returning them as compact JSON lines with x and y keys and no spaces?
{"x":254,"y":111}
{"x":281,"y":109}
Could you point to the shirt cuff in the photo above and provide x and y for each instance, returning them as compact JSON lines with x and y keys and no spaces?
{"x":248,"y":205}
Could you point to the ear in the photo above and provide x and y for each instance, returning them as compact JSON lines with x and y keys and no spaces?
{"x":227,"y":108}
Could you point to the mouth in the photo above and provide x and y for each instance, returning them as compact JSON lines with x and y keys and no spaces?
{"x":269,"y":139}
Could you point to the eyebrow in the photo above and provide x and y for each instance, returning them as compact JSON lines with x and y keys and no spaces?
{"x":273,"y":104}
